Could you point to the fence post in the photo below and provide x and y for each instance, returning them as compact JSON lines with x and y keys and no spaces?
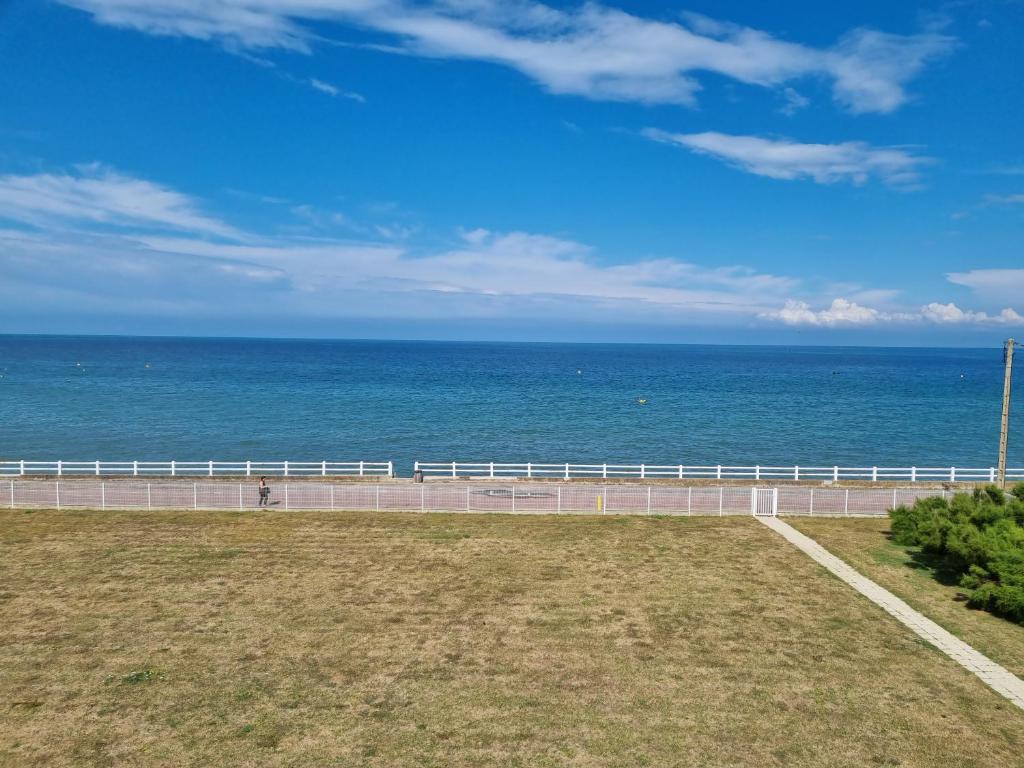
{"x":558,"y":508}
{"x":718,"y":472}
{"x":952,"y":474}
{"x":812,"y":503}
{"x":149,"y":496}
{"x":172,"y":468}
{"x":286,"y":470}
{"x":323,"y":468}
{"x":103,"y":495}
{"x":332,"y":496}
{"x":566,"y":473}
{"x":57,"y":484}
{"x":604,"y":506}
{"x":529,"y":469}
{"x":492,"y":470}
{"x":12,"y":494}
{"x":757,"y":472}
{"x":286,"y":496}
{"x":648,"y":499}
{"x":455,"y":470}
{"x":248,"y":468}
{"x":643,"y":471}
{"x":894,"y":498}
{"x":604,"y":471}
{"x":689,"y":501}
{"x":239,"y":497}
{"x":22,"y":462}
{"x":846,"y":503}
{"x":467,"y":498}
{"x":913,"y":474}
{"x":211,"y":467}
{"x":874,"y":474}
{"x":135,"y":468}
{"x":796,"y":473}
{"x":97,"y":467}
{"x":423,"y":498}
{"x":991,"y":474}
{"x":195,"y":496}
{"x":680,"y":471}
{"x":362,"y":468}
{"x":513,"y":499}
{"x":835,"y":474}
{"x":721,"y":500}
{"x":60,"y":468}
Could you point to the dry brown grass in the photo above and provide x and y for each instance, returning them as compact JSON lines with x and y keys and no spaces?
{"x":198,"y":639}
{"x":865,"y":544}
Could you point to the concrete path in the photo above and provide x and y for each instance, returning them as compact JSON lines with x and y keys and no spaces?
{"x":996,"y":677}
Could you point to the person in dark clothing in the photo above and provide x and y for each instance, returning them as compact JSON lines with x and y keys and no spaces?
{"x":264,"y":492}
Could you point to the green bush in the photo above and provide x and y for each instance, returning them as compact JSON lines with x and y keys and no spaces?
{"x":979,"y":537}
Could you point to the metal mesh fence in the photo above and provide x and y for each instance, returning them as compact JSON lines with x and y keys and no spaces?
{"x":509,"y":498}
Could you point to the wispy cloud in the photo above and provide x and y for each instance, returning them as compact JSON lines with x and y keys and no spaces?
{"x":333,"y":90}
{"x":992,"y":284}
{"x":593,"y":50}
{"x":852,"y":161}
{"x":94,"y":193}
{"x":96,"y":238}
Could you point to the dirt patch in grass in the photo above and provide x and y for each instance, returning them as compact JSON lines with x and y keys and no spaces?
{"x":921,"y":581}
{"x":198,"y":639}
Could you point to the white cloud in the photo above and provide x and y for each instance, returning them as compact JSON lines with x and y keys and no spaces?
{"x":1004,"y":199}
{"x":101,"y":196}
{"x":327,"y":88}
{"x":850,"y":161}
{"x":992,"y":284}
{"x":845,"y":313}
{"x":333,"y":90}
{"x":98,"y":239}
{"x":795,"y":101}
{"x":841,"y":312}
{"x":593,"y":50}
{"x":101,"y":233}
{"x":952,"y":314}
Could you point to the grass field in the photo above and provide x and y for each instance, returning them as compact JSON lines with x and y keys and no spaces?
{"x":911,"y":575}
{"x":334,"y":639}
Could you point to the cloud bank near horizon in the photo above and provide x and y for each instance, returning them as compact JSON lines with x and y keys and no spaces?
{"x":91,"y":237}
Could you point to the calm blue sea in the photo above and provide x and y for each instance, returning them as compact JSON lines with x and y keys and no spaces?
{"x":83,"y":398}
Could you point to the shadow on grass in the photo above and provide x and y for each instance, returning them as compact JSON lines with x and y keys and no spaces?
{"x":934,"y":565}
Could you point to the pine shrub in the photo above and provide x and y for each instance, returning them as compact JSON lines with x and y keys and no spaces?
{"x":978,"y":536}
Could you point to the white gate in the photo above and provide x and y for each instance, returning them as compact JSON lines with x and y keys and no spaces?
{"x":764,"y":502}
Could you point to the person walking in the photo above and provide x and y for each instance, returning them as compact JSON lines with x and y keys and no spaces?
{"x":264,"y":491}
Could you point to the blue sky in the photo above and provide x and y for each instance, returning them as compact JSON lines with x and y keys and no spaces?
{"x":721,"y":172}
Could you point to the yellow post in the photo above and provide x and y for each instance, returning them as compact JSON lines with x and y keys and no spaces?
{"x":600,"y":504}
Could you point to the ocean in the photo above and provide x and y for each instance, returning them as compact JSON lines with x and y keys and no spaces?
{"x":126,"y":398}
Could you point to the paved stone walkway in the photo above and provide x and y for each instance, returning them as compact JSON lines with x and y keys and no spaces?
{"x":996,"y":677}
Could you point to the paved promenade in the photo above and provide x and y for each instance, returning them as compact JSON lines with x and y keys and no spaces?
{"x":518,"y":497}
{"x":993,"y":675}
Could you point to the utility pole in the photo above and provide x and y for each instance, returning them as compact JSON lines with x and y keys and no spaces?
{"x":1004,"y":428}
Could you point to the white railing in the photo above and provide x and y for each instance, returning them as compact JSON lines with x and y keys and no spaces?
{"x":717,"y":472}
{"x":477,"y":497}
{"x":200,"y":468}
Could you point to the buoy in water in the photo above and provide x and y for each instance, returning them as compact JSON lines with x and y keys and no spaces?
{"x":642,"y":400}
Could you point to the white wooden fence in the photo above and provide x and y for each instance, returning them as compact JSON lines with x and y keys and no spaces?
{"x":492,"y":470}
{"x":199,"y":468}
{"x":512,"y":498}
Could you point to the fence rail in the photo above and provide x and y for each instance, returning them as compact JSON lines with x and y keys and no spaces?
{"x":514,"y":498}
{"x":200,"y":468}
{"x":493,"y":470}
